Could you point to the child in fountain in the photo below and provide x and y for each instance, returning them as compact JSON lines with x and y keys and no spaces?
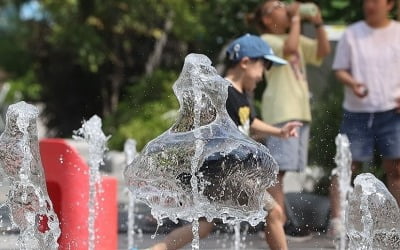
{"x":247,"y":59}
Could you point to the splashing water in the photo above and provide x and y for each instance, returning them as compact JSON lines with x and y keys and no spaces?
{"x":194,"y":181}
{"x":30,"y":207}
{"x":130,"y":155}
{"x":130,"y":151}
{"x":237,"y":235}
{"x":203,"y":166}
{"x":373,"y":216}
{"x":343,"y":161}
{"x":91,"y":133}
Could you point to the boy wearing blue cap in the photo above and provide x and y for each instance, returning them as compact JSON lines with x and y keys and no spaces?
{"x":247,"y":59}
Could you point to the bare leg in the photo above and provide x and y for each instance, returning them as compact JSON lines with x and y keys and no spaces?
{"x":334,"y":197}
{"x":392,"y":170}
{"x":179,"y":237}
{"x":274,"y":233}
{"x":277,"y":193}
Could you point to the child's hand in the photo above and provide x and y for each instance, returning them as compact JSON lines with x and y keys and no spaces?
{"x":360,"y":90}
{"x":316,"y":19}
{"x":290,"y":129}
{"x":398,"y":104}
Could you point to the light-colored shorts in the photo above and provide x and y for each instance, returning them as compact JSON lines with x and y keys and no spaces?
{"x":291,"y":154}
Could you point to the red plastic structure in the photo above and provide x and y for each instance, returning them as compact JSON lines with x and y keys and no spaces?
{"x":67,"y":179}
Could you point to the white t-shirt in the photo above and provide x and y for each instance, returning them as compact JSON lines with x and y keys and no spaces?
{"x":372,"y":57}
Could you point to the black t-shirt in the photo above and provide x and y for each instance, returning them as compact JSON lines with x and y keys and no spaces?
{"x":238,"y":107}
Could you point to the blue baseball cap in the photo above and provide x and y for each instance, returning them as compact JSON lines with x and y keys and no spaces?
{"x":253,"y":47}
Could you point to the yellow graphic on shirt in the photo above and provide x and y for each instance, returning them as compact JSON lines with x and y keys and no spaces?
{"x":244,"y":118}
{"x":244,"y":114}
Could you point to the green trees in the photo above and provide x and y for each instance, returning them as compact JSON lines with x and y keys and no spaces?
{"x":87,"y":54}
{"x":118,"y":58}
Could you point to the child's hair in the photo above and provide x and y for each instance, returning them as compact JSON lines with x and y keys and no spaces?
{"x":229,"y":64}
{"x":255,"y":18}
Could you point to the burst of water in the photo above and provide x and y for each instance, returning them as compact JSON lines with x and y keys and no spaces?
{"x":194,"y":182}
{"x":130,"y":155}
{"x":92,"y":134}
{"x":31,"y":209}
{"x":237,"y":236}
{"x":195,"y":231}
{"x":203,"y":166}
{"x":373,"y":218}
{"x":343,"y":173}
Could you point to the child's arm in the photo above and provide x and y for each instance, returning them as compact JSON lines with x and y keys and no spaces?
{"x":323,"y":47}
{"x":289,"y":130}
{"x":398,"y":104}
{"x":347,"y":79}
{"x":291,"y":44}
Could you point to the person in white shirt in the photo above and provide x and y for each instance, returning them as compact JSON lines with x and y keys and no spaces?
{"x":367,"y":62}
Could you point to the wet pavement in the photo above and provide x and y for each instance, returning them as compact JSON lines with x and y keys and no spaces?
{"x":227,"y":241}
{"x":214,"y":241}
{"x":222,"y":238}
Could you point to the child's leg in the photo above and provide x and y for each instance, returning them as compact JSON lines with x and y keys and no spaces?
{"x":183,"y":235}
{"x":291,"y":155}
{"x":274,"y":233}
{"x":277,"y":192}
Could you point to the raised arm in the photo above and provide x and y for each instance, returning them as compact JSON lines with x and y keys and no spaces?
{"x":324,"y":47}
{"x":291,"y":44}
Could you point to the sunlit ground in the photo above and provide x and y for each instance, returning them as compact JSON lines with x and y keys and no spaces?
{"x":214,"y":241}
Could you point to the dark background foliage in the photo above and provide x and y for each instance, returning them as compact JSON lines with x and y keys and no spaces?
{"x":119,"y":58}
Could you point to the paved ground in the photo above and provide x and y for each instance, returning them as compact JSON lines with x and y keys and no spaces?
{"x":221,"y":239}
{"x":215,"y":241}
{"x":226,"y":241}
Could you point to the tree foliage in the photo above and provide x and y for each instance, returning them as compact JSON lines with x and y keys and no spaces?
{"x":119,"y":58}
{"x":86,"y":52}
{"x":141,"y":115}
